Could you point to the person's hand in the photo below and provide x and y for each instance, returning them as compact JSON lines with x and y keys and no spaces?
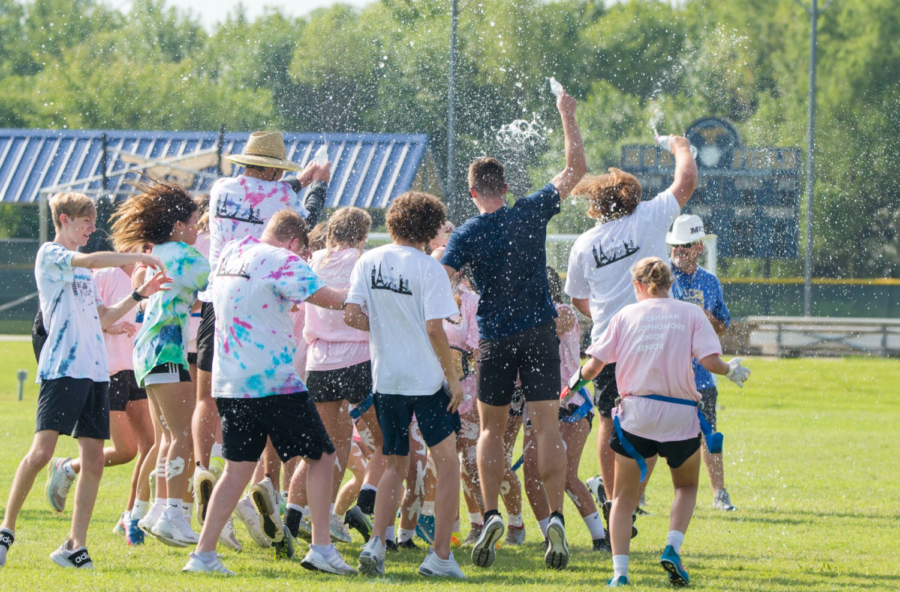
{"x":122,"y":328}
{"x":322,"y":173}
{"x":306,"y":176}
{"x":438,"y":253}
{"x":151,"y":260}
{"x":155,"y":284}
{"x":736,"y":373}
{"x":566,"y":105}
{"x":676,"y":142}
{"x":456,"y":396}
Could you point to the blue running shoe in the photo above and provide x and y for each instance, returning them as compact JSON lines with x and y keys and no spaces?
{"x":425,"y":528}
{"x":133,"y":534}
{"x":619,"y":581}
{"x":671,"y":562}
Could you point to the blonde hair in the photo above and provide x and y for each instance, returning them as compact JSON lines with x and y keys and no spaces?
{"x":286,"y":225}
{"x":202,"y":202}
{"x":653,"y":273}
{"x":317,"y":236}
{"x":612,"y":196}
{"x":73,"y":205}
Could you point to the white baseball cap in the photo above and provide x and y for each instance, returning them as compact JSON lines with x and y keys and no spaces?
{"x":686,"y":230}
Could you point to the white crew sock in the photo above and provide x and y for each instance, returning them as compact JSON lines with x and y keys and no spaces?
{"x":126,"y":517}
{"x":332,"y":508}
{"x":216,"y":450}
{"x":595,"y":525}
{"x":476,"y":518}
{"x":173,"y":508}
{"x":188,"y":509}
{"x":69,"y":470}
{"x":543,"y":524}
{"x":325,"y":551}
{"x":406,"y":534}
{"x":140,"y":509}
{"x":456,"y":525}
{"x":676,"y":539}
{"x":428,"y":509}
{"x":389,"y":534}
{"x":515,"y":520}
{"x":620,"y":566}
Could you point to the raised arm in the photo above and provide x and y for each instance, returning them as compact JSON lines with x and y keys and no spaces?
{"x":685,"y":169}
{"x":102,"y":259}
{"x":576,"y":163}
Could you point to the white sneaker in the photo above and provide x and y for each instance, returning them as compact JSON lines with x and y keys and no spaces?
{"x":483,"y":551}
{"x":339,"y":530}
{"x":228,"y":539}
{"x":334,"y":564}
{"x":58,"y":484}
{"x":174,"y":531}
{"x":435,"y":566}
{"x":265,"y":498}
{"x":557,"y":556}
{"x":371,"y":559}
{"x":246,"y":513}
{"x":204,"y":482}
{"x":197,"y":565}
{"x":595,"y":485}
{"x":723,"y":501}
{"x":151,"y":518}
{"x":77,"y":558}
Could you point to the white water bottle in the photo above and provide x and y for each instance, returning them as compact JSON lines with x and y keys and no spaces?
{"x":321,"y":157}
{"x":663,"y":142}
{"x":555,"y":87}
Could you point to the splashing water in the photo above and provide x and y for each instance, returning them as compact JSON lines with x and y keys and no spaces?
{"x":520,"y":135}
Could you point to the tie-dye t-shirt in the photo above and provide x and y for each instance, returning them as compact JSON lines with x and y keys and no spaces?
{"x":163,"y":337}
{"x":69,"y":300}
{"x":254,"y":288}
{"x":240,"y":207}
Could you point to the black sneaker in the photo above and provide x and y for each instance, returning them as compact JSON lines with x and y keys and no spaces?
{"x":7,"y":538}
{"x":409,"y":544}
{"x":391,"y":546}
{"x":602,"y":546}
{"x":77,"y":558}
{"x":284,"y":549}
{"x":607,"y":508}
{"x":358,"y":521}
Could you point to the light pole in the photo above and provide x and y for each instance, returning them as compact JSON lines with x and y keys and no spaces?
{"x":452,"y":200}
{"x":813,"y":11}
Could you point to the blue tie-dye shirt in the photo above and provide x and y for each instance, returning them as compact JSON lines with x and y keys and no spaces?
{"x":163,"y":338}
{"x":69,"y":300}
{"x":254,"y":288}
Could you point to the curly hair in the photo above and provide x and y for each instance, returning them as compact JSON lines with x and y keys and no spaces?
{"x":612,"y":196}
{"x":653,"y":273}
{"x":150,"y":216}
{"x":416,"y":217}
{"x":202,"y":201}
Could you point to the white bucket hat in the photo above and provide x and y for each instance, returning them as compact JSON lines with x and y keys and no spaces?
{"x":686,"y":230}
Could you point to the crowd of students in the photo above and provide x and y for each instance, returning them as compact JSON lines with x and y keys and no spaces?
{"x":270,"y":349}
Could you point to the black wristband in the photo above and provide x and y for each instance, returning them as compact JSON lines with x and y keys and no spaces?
{"x":137,"y":297}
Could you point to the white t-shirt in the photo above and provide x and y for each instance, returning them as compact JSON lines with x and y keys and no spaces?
{"x":240,"y":207}
{"x":69,"y":300}
{"x":254,"y":289}
{"x":401,"y":288}
{"x":601,"y":259}
{"x":114,"y":285}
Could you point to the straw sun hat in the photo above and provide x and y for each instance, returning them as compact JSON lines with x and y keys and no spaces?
{"x":265,"y":149}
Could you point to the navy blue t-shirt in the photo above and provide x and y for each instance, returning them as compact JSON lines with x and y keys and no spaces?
{"x":507,"y":252}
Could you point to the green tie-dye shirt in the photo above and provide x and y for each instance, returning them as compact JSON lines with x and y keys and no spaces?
{"x":163,"y":338}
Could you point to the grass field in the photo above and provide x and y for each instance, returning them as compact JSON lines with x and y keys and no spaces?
{"x":811,"y":463}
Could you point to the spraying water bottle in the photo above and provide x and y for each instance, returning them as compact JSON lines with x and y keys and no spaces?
{"x":321,"y":157}
{"x":555,"y":87}
{"x":663,"y":142}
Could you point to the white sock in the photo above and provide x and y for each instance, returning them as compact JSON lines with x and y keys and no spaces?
{"x":620,"y":566}
{"x":68,"y":470}
{"x":216,"y":450}
{"x":188,"y":509}
{"x":676,"y":539}
{"x":161,"y":502}
{"x":325,"y":551}
{"x":126,"y":517}
{"x":456,"y":526}
{"x":543,"y":524}
{"x":332,"y":508}
{"x":515,"y":520}
{"x":476,"y":518}
{"x":173,"y":507}
{"x":406,"y":534}
{"x":389,"y":534}
{"x":140,"y":509}
{"x":595,"y":525}
{"x":428,"y":509}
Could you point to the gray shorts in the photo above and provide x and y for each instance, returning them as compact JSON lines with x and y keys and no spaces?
{"x":709,"y":397}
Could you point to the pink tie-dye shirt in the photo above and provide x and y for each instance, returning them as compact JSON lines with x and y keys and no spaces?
{"x":652,"y":343}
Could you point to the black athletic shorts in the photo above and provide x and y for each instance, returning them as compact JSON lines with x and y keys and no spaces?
{"x":395,"y":413}
{"x":532,"y":355}
{"x":192,"y":358}
{"x":77,"y":407}
{"x":606,"y":391}
{"x":709,"y":397}
{"x":353,"y":383}
{"x":123,"y":389}
{"x":167,"y":373}
{"x":206,"y":337}
{"x":675,"y":452}
{"x":290,"y":421}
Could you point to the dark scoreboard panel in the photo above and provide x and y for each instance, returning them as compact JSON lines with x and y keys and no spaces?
{"x":749,"y":197}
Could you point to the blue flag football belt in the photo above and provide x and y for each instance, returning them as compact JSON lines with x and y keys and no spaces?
{"x":713,"y":439}
{"x":358,"y":411}
{"x":577,"y":415}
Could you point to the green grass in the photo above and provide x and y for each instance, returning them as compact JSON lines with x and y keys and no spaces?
{"x":811,"y":463}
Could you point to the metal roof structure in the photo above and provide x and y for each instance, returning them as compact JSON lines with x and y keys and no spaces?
{"x":368,"y":170}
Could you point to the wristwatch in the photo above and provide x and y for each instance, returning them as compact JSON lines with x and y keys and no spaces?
{"x":137,"y":297}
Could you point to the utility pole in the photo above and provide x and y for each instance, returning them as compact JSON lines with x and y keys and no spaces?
{"x":814,"y":12}
{"x":452,"y":200}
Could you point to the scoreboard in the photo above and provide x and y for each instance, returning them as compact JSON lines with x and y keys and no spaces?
{"x":748,"y":196}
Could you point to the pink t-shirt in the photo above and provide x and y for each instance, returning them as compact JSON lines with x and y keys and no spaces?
{"x":333,"y":344}
{"x":652,"y":343}
{"x":114,"y":285}
{"x":464,"y":336}
{"x":298,"y":319}
{"x":570,"y":355}
{"x":202,"y":245}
